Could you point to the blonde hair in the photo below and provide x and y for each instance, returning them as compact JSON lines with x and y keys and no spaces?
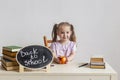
{"x":56,"y":27}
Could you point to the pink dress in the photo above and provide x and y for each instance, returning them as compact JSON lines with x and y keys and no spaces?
{"x":63,"y":49}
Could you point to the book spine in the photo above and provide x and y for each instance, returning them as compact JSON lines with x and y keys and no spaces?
{"x":9,"y":58}
{"x":96,"y":60}
{"x":8,"y":64}
{"x":9,"y":53}
{"x":97,"y":67}
{"x":12,"y":50}
{"x":99,"y":63}
{"x":10,"y":68}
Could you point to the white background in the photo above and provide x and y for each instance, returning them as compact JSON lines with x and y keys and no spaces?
{"x":96,"y":22}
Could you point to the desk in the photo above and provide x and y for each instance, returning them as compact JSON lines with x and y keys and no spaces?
{"x":68,"y":71}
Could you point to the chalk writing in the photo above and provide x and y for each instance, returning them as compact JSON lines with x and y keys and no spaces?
{"x":34,"y":56}
{"x":31,"y":62}
{"x":33,"y":52}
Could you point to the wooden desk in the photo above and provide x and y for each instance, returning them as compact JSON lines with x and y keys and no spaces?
{"x":62,"y":72}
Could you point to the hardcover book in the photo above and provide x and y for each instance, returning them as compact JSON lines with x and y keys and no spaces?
{"x":9,"y":58}
{"x":12,"y":48}
{"x":97,"y":63}
{"x":96,"y":60}
{"x":8,"y":63}
{"x":10,"y":68}
{"x":97,"y":67}
{"x":9,"y":53}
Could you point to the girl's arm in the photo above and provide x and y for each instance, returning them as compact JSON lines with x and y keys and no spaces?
{"x":71,"y":56}
{"x":52,"y":47}
{"x":55,"y":58}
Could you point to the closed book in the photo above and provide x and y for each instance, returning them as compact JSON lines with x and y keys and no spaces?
{"x":97,"y":67}
{"x":97,"y":63}
{"x":12,"y":48}
{"x":96,"y":60}
{"x":8,"y":63}
{"x":9,"y":53}
{"x":10,"y":68}
{"x":9,"y":58}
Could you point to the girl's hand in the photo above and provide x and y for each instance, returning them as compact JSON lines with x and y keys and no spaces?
{"x":57,"y":60}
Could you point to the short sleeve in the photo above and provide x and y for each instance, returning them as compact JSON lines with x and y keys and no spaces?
{"x":74,"y":47}
{"x":52,"y":47}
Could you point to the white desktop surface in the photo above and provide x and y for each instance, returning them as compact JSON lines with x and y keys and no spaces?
{"x":68,"y":71}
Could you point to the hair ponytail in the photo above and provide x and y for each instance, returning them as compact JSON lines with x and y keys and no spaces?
{"x":54,"y":33}
{"x":73,"y":37}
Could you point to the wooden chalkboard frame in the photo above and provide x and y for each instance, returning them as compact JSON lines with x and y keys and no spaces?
{"x":36,"y":48}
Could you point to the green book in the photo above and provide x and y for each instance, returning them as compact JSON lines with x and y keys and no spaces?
{"x":12,"y":48}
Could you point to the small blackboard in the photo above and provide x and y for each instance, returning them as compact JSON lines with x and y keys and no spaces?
{"x":34,"y":56}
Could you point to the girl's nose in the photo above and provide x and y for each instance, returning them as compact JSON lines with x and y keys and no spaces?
{"x":65,"y":35}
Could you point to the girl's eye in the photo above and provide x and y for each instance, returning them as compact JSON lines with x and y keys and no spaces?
{"x":67,"y":32}
{"x":62,"y":32}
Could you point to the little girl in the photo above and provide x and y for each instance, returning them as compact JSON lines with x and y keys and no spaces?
{"x":63,"y":41}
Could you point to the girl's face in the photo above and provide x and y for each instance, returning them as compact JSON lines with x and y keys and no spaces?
{"x":64,"y":33}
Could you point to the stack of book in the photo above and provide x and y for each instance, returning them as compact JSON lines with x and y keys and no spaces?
{"x":9,"y":57}
{"x":97,"y":63}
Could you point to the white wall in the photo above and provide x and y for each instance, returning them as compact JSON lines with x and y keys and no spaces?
{"x":97,"y":26}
